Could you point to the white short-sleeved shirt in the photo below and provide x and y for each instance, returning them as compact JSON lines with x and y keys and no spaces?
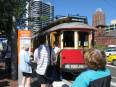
{"x":41,"y":57}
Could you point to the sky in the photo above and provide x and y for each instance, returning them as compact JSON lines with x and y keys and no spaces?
{"x":85,"y":8}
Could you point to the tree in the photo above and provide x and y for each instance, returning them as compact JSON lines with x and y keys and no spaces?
{"x":10,"y":11}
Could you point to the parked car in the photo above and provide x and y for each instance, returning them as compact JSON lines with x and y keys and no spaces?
{"x":112,"y":59}
{"x":111,"y":45}
{"x":110,"y":51}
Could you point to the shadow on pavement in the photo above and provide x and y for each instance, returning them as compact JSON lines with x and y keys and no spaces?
{"x":4,"y":79}
{"x":35,"y":84}
{"x":4,"y":83}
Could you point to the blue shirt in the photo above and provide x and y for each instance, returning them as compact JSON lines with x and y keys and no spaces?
{"x":24,"y":62}
{"x":84,"y":79}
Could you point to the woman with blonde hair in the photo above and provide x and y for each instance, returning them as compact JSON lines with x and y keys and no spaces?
{"x":25,"y":66}
{"x":97,"y":75}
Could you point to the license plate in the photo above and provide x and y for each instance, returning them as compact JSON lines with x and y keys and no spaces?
{"x":73,"y":66}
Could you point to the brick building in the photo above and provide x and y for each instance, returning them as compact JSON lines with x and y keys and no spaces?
{"x":98,"y":18}
{"x":101,"y":38}
{"x":105,"y":40}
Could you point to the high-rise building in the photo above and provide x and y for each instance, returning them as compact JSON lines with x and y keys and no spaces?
{"x":99,"y":22}
{"x":41,"y":13}
{"x":98,"y":18}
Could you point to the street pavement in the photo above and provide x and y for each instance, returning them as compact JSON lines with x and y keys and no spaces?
{"x":5,"y":78}
{"x":113,"y":74}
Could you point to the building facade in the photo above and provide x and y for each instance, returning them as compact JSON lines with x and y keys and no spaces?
{"x":41,"y":13}
{"x":101,"y":37}
{"x":99,"y":22}
{"x":98,"y":18}
{"x":111,"y":27}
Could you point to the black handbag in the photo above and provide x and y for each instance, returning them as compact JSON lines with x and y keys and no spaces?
{"x":51,"y":73}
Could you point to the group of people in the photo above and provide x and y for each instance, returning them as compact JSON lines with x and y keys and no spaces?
{"x":96,"y":74}
{"x":42,"y":55}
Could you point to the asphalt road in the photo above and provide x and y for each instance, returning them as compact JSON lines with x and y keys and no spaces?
{"x":113,"y":74}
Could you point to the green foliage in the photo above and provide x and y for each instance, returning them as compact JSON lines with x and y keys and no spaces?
{"x":9,"y":8}
{"x":43,"y":18}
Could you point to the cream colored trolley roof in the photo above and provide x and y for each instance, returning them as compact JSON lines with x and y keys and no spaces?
{"x":71,"y":25}
{"x":68,"y":26}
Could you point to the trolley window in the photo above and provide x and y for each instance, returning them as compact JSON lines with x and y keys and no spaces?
{"x":55,"y":38}
{"x":83,"y":39}
{"x":68,"y":39}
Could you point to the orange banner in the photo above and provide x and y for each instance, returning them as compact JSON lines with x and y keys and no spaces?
{"x":24,"y":37}
{"x":24,"y":33}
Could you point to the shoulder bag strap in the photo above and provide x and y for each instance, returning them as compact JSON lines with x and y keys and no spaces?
{"x":50,"y":54}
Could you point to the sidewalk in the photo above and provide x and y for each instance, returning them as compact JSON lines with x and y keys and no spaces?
{"x":55,"y":84}
{"x":35,"y":82}
{"x":63,"y":83}
{"x":5,"y":79}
